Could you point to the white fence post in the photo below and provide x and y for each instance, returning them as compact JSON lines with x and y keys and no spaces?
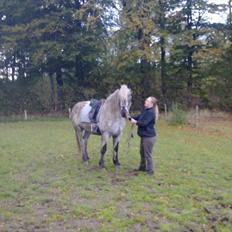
{"x":25,"y":114}
{"x":197,"y":116}
{"x":165,"y":110}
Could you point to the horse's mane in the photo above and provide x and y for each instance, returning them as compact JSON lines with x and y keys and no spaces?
{"x":113,"y":99}
{"x":123,"y":91}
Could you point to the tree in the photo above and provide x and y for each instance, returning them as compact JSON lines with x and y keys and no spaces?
{"x":64,"y":39}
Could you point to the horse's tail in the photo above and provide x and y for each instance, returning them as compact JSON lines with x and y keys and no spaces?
{"x":71,"y":113}
{"x":75,"y":117}
{"x":156,"y":112}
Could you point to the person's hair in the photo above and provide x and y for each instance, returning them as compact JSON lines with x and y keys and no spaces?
{"x":155,"y":106}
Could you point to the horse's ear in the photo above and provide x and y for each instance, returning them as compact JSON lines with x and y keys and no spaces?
{"x":117,"y":86}
{"x":129,"y":86}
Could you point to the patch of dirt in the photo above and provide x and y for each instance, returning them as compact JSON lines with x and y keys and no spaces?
{"x":215,"y":217}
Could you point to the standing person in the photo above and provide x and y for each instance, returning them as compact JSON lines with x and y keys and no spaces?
{"x":146,"y":130}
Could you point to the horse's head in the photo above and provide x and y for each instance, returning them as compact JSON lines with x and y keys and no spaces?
{"x":125,"y":100}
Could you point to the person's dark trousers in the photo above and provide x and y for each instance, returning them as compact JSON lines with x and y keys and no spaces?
{"x":146,"y":147}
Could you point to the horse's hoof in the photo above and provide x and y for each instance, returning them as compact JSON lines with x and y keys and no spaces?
{"x":86,"y":163}
{"x":117,"y":164}
{"x":101,"y":165}
{"x":102,"y":169}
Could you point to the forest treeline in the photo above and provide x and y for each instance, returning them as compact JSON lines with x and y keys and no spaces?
{"x":54,"y":53}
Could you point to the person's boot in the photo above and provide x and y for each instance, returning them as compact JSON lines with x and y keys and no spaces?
{"x":140,"y":169}
{"x":150,"y":172}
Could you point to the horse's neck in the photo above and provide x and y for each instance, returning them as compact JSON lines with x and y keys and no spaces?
{"x":110,"y":119}
{"x":112,"y":103}
{"x":110,"y":109}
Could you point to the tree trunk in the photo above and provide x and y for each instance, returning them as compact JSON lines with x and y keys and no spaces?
{"x":189,"y":69}
{"x":230,"y":20}
{"x":163,"y":74}
{"x":13,"y":69}
{"x":21,"y":65}
{"x":189,"y":63}
{"x":230,"y":13}
{"x":144,"y":67}
{"x":163,"y":70}
{"x":79,"y":70}
{"x":60,"y":95}
{"x":52,"y":92}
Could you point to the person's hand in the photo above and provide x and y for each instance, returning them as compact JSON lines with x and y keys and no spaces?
{"x":133,"y":121}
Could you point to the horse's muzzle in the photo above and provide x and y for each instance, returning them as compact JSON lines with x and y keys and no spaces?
{"x":124,"y":112}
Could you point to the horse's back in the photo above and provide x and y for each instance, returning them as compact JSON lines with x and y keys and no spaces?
{"x":75,"y":114}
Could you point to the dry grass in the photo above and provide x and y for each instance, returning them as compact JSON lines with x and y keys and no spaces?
{"x":204,"y":116}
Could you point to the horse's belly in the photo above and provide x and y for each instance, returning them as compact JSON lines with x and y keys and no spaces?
{"x":114,"y":127}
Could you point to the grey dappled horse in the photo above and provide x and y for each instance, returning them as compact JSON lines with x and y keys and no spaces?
{"x":110,"y":123}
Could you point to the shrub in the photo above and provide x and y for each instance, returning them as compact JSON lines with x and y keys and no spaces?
{"x":177,"y":116}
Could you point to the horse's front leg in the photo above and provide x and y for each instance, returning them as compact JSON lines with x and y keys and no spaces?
{"x":104,"y":139}
{"x":115,"y":150}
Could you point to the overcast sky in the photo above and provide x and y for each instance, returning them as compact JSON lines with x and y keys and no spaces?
{"x":218,"y":18}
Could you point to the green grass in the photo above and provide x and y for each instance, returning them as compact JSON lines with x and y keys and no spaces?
{"x":44,"y":185}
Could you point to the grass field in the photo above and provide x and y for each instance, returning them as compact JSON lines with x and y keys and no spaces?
{"x":45,"y":187}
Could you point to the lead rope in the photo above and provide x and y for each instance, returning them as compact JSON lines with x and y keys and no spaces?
{"x":130,"y":135}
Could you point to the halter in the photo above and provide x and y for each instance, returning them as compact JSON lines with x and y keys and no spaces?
{"x":125,"y":100}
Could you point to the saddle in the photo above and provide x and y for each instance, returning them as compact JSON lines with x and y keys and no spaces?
{"x":95,"y":106}
{"x":89,"y":116}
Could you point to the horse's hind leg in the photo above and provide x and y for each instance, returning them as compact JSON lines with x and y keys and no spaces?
{"x":85,"y":140}
{"x":78,"y":133}
{"x":115,"y":150}
{"x":80,"y":143}
{"x":104,"y":139}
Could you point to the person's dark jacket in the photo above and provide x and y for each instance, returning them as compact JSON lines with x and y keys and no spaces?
{"x":145,"y":123}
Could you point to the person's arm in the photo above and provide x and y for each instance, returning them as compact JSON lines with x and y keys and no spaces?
{"x":134,"y":117}
{"x":148,"y":117}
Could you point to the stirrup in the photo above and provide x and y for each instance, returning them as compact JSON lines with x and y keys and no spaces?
{"x":94,"y":129}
